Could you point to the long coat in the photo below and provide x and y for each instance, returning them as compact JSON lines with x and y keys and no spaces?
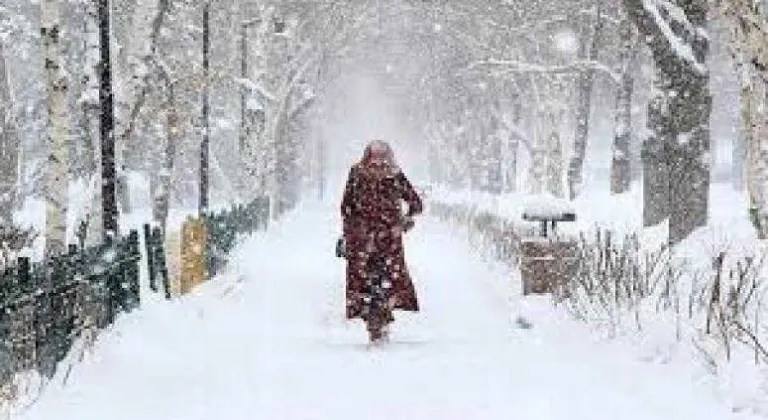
{"x":371,"y":205}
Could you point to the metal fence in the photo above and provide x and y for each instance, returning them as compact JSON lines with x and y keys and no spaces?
{"x":156,"y":265}
{"x":223,"y":228}
{"x":46,"y":305}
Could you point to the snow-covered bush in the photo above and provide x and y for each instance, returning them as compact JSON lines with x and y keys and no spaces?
{"x":626,"y":288}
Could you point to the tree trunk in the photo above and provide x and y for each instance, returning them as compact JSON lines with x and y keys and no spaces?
{"x":512,"y":147}
{"x":555,"y":165}
{"x":9,"y":148}
{"x":655,"y":165}
{"x":89,"y":117}
{"x":620,"y":164}
{"x":243,"y":90}
{"x":321,"y":164}
{"x":204,"y":146}
{"x":510,"y":169}
{"x":147,"y":21}
{"x":58,"y":132}
{"x":162,"y":194}
{"x":107,"y":125}
{"x":536,"y":172}
{"x":746,"y":114}
{"x":493,"y":159}
{"x":584,"y":108}
{"x":678,"y":147}
{"x":758,"y":163}
{"x":94,"y":233}
{"x":749,"y":37}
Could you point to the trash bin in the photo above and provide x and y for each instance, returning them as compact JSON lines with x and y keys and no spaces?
{"x":547,"y":265}
{"x":548,"y":259}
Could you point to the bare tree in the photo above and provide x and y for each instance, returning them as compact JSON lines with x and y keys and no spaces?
{"x":92,"y":215}
{"x":161,"y":184}
{"x":555,"y":165}
{"x":107,"y":126}
{"x":206,"y":130}
{"x":676,"y":166}
{"x":584,"y":105}
{"x":9,"y":148}
{"x":58,"y":135}
{"x":749,"y":47}
{"x":620,"y":163}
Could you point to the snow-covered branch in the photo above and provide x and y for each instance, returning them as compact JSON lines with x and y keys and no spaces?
{"x":677,"y":14}
{"x":305,"y":103}
{"x":554,"y":20}
{"x":139,"y":86}
{"x":520,"y":67}
{"x":256,"y":87}
{"x":681,"y":45}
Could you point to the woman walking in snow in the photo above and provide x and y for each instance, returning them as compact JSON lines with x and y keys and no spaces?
{"x":374,"y":223}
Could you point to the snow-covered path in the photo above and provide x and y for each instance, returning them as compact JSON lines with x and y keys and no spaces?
{"x":268,"y":341}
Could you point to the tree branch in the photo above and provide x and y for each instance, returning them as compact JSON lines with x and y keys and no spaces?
{"x":163,"y":7}
{"x":518,"y":67}
{"x":664,"y":40}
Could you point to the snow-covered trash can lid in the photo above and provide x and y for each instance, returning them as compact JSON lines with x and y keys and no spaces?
{"x":548,"y":208}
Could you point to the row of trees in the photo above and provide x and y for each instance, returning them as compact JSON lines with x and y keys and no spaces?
{"x":221,"y":95}
{"x":209,"y":100}
{"x":539,"y":78}
{"x":534,"y":72}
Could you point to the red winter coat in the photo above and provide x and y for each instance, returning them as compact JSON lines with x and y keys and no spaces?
{"x":371,"y":204}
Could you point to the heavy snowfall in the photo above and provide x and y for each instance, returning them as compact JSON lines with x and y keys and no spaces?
{"x":594,"y":177}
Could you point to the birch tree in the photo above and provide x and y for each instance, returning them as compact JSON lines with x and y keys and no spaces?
{"x":89,"y":110}
{"x":9,"y":147}
{"x":147,"y":21}
{"x":58,"y":132}
{"x":749,"y":47}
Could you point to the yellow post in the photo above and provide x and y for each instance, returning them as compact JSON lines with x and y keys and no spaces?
{"x":193,"y":267}
{"x":173,"y":260}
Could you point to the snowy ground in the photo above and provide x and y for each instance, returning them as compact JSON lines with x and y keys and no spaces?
{"x":268,"y":341}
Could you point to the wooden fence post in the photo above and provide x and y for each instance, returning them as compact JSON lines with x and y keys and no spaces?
{"x":149,"y":244}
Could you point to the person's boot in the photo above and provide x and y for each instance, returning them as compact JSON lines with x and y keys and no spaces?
{"x":374,"y":336}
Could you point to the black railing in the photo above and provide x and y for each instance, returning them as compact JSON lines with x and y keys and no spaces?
{"x":224,"y":228}
{"x":46,"y":305}
{"x":156,"y":266}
